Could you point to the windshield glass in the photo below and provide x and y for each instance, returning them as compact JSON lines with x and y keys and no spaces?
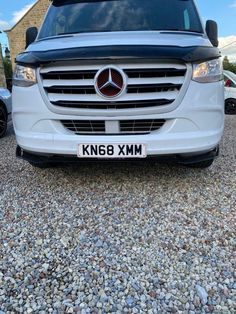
{"x":70,"y":16}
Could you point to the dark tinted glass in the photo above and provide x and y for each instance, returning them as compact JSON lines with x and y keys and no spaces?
{"x":120,"y":15}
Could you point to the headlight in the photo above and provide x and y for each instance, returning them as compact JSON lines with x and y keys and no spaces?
{"x":207,"y":72}
{"x":24,"y":76}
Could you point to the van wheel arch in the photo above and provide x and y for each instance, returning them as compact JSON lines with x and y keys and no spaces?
{"x":3,"y":106}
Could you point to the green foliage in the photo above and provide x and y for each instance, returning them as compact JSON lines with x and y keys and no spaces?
{"x":7,"y":68}
{"x":229,"y":65}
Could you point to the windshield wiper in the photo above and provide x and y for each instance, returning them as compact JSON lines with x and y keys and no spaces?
{"x":53,"y":37}
{"x":179,"y":30}
{"x":69,"y":34}
{"x":73,"y":33}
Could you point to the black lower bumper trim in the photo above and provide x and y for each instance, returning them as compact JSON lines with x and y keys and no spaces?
{"x":61,"y":159}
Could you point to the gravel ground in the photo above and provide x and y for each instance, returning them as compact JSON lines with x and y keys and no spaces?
{"x":118,"y":239}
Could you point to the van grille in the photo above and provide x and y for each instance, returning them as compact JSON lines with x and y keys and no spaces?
{"x":148,"y":85}
{"x":125,"y":127}
{"x":84,"y":126}
{"x":140,"y":126}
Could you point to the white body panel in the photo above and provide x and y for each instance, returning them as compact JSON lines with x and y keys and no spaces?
{"x":146,"y":38}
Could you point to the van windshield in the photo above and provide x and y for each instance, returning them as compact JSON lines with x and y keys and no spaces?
{"x":75,"y":16}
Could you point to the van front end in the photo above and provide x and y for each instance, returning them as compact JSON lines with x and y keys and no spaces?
{"x":119,"y":95}
{"x":163,"y":107}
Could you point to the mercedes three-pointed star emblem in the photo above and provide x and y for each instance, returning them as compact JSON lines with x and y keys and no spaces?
{"x":110,"y":82}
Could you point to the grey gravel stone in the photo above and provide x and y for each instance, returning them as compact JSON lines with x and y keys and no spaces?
{"x":133,"y":238}
{"x":99,"y":244}
{"x":202,"y":294}
{"x":130,"y":301}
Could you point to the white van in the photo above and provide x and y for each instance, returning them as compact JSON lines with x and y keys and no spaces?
{"x":119,"y":80}
{"x":230,"y":92}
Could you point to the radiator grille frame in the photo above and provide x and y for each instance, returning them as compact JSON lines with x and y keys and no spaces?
{"x":130,"y":102}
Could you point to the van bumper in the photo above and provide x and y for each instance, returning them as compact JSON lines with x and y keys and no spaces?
{"x":194,"y":128}
{"x":185,"y":159}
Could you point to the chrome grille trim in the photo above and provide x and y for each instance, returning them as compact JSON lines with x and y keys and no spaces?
{"x":95,"y":127}
{"x":148,"y":85}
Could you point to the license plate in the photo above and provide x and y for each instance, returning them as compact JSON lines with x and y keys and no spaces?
{"x":112,"y":151}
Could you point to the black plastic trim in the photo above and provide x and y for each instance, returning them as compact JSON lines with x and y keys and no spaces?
{"x":112,"y":105}
{"x":61,"y":159}
{"x":185,"y":54}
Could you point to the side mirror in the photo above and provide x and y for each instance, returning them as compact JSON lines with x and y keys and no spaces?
{"x":31,"y":35}
{"x":212,"y":32}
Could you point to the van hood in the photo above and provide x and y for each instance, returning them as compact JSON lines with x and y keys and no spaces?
{"x":187,"y":47}
{"x":121,"y":38}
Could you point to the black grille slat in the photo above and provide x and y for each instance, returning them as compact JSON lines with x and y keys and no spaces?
{"x":68,"y":75}
{"x":81,"y":90}
{"x":113,"y":105}
{"x":152,"y":88}
{"x":145,"y":73}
